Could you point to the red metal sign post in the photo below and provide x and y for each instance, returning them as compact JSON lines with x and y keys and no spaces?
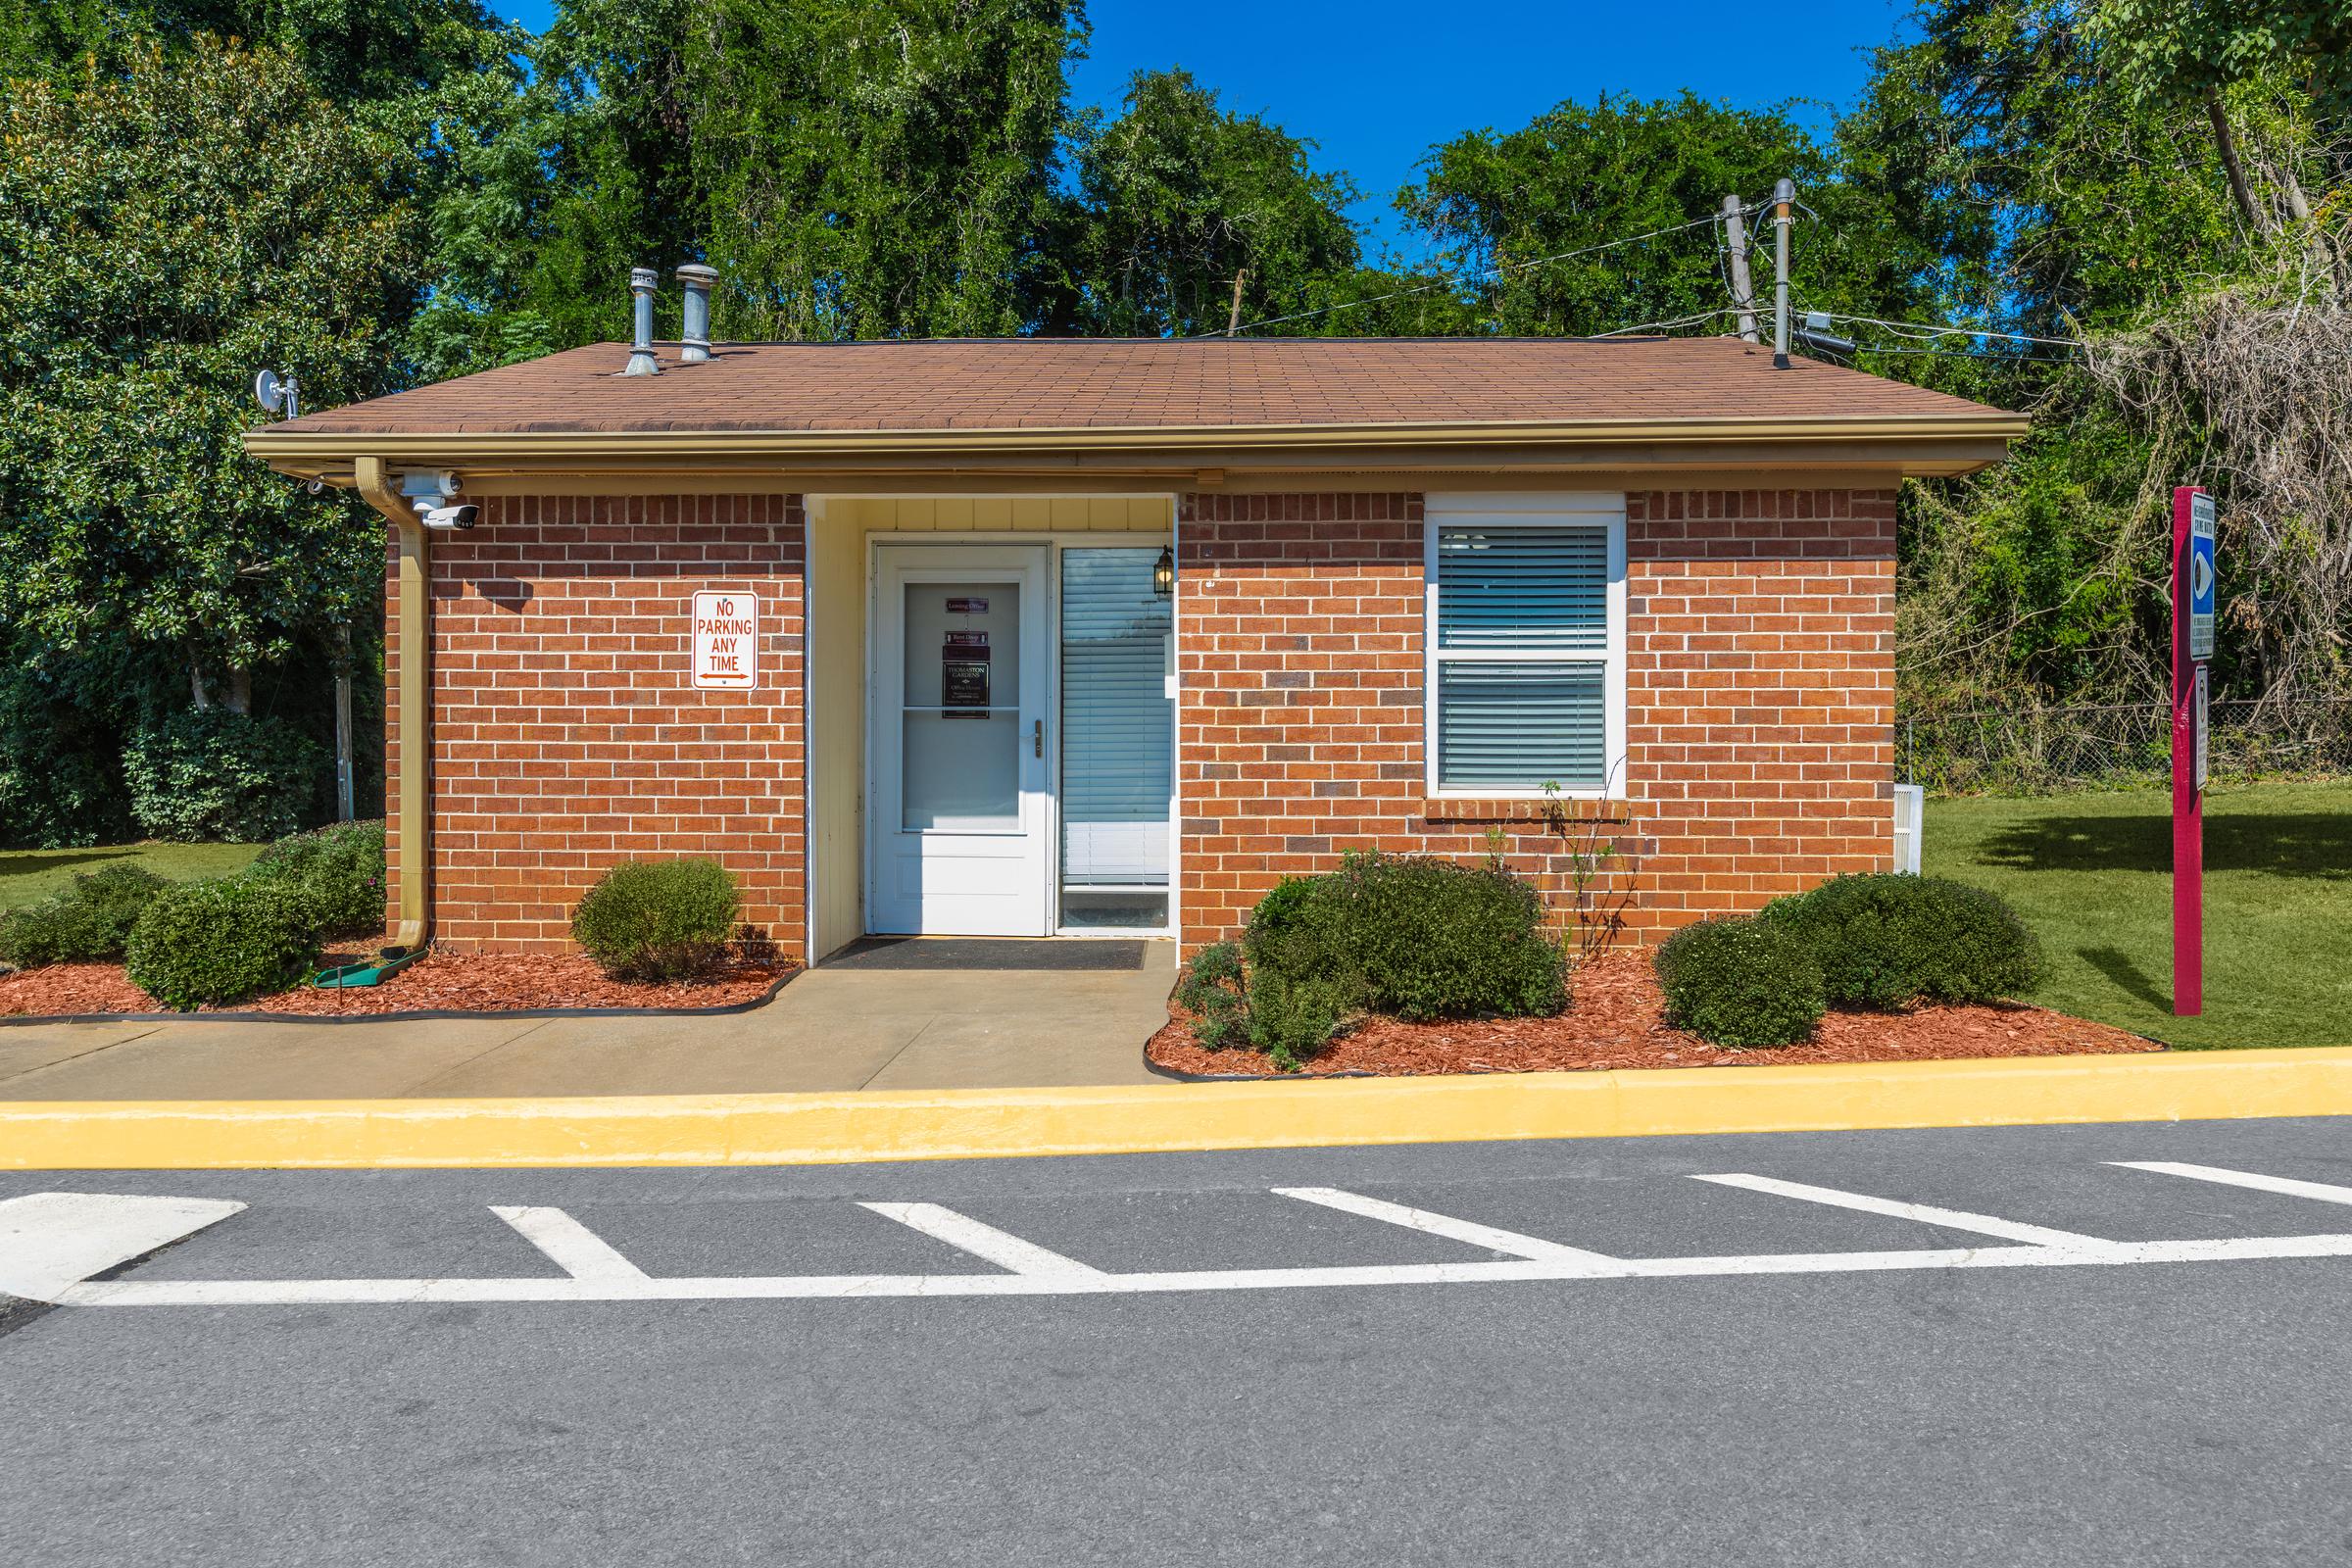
{"x":2192,"y":514}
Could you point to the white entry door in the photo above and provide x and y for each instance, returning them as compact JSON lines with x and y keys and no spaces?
{"x":959,"y":831}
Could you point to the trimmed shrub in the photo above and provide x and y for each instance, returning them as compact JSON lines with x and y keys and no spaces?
{"x":1414,"y":937}
{"x":210,"y":774}
{"x":1740,"y":983}
{"x":658,"y":919}
{"x":221,"y":941}
{"x":1889,"y":941}
{"x":89,"y":920}
{"x":337,"y":871}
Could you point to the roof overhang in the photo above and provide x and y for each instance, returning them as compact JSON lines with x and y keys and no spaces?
{"x":1165,"y":455}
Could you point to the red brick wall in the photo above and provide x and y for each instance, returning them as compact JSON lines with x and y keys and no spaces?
{"x":568,"y":736}
{"x":1760,"y":675}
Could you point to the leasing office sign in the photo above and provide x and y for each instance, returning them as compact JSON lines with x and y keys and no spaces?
{"x":726,"y":641}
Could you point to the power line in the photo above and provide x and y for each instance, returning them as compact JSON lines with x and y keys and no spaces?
{"x":1481,"y":276}
{"x":1922,"y":332}
{"x":1680,"y":320}
{"x":1965,"y":354}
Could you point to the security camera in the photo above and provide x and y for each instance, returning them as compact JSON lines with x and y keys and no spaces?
{"x":462,"y":516}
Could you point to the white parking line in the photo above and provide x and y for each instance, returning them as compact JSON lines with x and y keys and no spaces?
{"x":2322,"y":1191}
{"x":1468,"y":1232}
{"x":1949,"y":1218}
{"x":49,"y":1241}
{"x":344,"y":1293}
{"x":985,"y":1242}
{"x":569,"y":1245}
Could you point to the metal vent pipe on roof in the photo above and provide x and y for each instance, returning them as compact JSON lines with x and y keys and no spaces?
{"x":1783,"y":196}
{"x":697,"y":279}
{"x":643,"y":280}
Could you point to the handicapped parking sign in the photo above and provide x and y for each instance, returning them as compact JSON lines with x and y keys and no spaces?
{"x":2201,"y":576}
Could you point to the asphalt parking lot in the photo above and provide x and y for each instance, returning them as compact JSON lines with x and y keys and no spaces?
{"x":1869,"y":1348}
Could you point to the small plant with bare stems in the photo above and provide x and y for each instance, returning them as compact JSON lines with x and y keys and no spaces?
{"x":1598,"y":895}
{"x":1584,"y":854}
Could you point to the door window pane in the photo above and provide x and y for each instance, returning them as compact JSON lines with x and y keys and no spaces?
{"x":963,"y":773}
{"x":953,"y":627}
{"x":960,"y":752}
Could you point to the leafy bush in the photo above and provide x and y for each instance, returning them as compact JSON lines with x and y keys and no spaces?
{"x":210,"y":774}
{"x":221,"y":941}
{"x":1889,"y":941}
{"x":658,"y":919}
{"x":1292,"y":1017}
{"x":1414,"y":937}
{"x":1289,"y":1017}
{"x":337,"y":871}
{"x":1213,"y":977}
{"x":89,"y":920}
{"x":1740,"y":983}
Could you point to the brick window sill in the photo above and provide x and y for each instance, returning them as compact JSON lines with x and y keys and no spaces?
{"x":1507,"y":810}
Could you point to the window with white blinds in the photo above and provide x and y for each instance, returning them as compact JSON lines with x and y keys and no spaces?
{"x":1526,"y":645}
{"x":1118,"y":725}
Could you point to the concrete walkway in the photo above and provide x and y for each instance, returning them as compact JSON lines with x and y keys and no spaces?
{"x":829,"y":1030}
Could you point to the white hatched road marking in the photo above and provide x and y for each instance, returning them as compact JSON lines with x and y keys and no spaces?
{"x":1469,"y":1232}
{"x":569,"y":1245}
{"x":1949,"y":1218}
{"x":2322,"y":1191}
{"x":1011,"y":1253}
{"x":50,"y":1243}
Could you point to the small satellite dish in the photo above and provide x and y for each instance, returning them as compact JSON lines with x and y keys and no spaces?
{"x":269,"y":391}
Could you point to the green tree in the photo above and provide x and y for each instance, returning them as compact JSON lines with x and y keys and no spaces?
{"x":2190,"y":49}
{"x":564,"y":183}
{"x":876,"y":170}
{"x":1499,"y":204}
{"x":2074,"y":185}
{"x":2191,"y":53}
{"x":1176,"y":196}
{"x":2053,"y":198}
{"x":163,"y":234}
{"x":355,"y":51}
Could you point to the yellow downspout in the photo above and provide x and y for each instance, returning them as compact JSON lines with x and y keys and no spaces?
{"x":415,"y":671}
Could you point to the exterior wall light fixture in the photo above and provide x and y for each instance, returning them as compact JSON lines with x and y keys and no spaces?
{"x":1164,"y":573}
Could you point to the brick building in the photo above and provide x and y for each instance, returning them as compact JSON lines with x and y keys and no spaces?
{"x":1043,"y":637}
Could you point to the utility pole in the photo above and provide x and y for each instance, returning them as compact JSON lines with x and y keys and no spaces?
{"x":1784,"y":197}
{"x":1743,"y":293}
{"x":1232,"y":322}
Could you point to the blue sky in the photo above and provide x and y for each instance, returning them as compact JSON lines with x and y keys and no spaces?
{"x":1377,"y":82}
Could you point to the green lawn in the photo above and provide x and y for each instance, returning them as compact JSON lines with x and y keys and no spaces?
{"x":2093,"y":876}
{"x":28,"y":876}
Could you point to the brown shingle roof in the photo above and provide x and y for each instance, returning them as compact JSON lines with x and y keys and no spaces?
{"x":1125,"y":383}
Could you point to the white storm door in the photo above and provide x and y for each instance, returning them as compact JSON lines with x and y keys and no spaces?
{"x":959,"y":831}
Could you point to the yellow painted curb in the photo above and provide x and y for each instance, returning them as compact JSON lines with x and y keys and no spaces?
{"x":832,"y":1128}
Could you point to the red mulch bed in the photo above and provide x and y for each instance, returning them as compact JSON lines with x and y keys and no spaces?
{"x":478,"y":982}
{"x":1617,"y":1020}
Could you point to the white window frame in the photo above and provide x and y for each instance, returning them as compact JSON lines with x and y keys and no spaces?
{"x":1601,"y":509}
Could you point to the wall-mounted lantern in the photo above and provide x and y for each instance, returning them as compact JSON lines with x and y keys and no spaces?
{"x":1164,"y":573}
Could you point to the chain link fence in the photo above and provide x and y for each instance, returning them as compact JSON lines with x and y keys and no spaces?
{"x":2031,"y":750}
